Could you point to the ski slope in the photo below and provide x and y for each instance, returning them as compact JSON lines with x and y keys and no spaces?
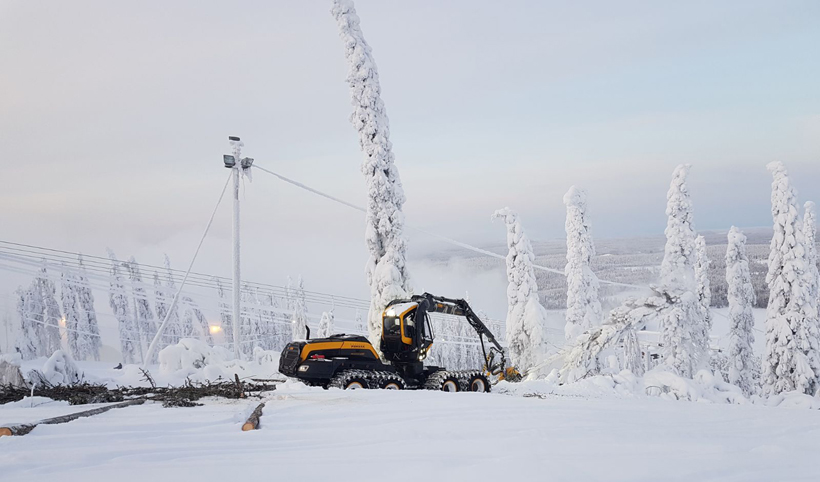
{"x":314,"y":434}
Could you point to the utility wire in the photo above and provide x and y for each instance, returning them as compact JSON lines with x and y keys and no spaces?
{"x":437,"y":236}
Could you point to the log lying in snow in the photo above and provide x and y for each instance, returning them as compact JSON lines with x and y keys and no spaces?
{"x":252,"y":423}
{"x":26,"y":428}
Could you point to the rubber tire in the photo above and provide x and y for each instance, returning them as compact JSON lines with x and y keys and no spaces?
{"x":478,"y":383}
{"x":450,"y":384}
{"x":356,"y":381}
{"x":391,"y":385}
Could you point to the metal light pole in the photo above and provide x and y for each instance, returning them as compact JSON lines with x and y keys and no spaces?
{"x":240,"y":166}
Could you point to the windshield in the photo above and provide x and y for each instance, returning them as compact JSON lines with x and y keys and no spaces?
{"x":392,"y":325}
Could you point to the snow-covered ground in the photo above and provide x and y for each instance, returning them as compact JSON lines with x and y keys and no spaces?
{"x":315,"y":434}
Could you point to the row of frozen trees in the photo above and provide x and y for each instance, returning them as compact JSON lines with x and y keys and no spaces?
{"x":680,"y":301}
{"x":49,"y":317}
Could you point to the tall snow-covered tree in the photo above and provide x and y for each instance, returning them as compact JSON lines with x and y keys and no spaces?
{"x":359,"y":322}
{"x":810,"y":231}
{"x":52,"y":341}
{"x":31,"y":309}
{"x":71,"y":310}
{"x":196,"y":319}
{"x":326,"y":327}
{"x":526,"y":318}
{"x":89,"y":341}
{"x":119,"y":303}
{"x":145,"y":324}
{"x":583,"y":306}
{"x":386,"y":269}
{"x":681,"y":346}
{"x":633,"y":358}
{"x":703,"y":326}
{"x":174,"y":329}
{"x":741,"y":296}
{"x":791,"y":361}
{"x":224,"y":313}
{"x":677,"y":268}
{"x":299,"y":327}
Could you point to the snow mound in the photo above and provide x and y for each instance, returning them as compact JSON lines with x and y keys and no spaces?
{"x":660,"y":383}
{"x":793,"y":399}
{"x":60,"y":369}
{"x":198,"y":361}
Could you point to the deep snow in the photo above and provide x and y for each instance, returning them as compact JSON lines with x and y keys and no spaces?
{"x":416,"y":435}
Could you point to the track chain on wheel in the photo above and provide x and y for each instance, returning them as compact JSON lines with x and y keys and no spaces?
{"x":370,"y":379}
{"x":462,"y":377}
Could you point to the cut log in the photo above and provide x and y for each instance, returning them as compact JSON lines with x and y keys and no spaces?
{"x":253,"y":421}
{"x":28,"y":427}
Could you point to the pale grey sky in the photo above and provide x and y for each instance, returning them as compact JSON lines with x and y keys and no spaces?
{"x":114,"y":116}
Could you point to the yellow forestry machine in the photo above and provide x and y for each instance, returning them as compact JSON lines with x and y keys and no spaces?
{"x":350,"y":361}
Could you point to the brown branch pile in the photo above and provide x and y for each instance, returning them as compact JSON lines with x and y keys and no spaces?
{"x":183,"y":396}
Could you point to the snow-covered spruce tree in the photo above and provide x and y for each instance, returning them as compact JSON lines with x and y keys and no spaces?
{"x":386,"y":269}
{"x":677,"y":267}
{"x":299,"y":321}
{"x":224,"y":312}
{"x":71,"y":310}
{"x":144,"y":318}
{"x":30,"y":308}
{"x":326,"y":324}
{"x":526,"y":318}
{"x":119,"y":303}
{"x":703,"y":328}
{"x":359,"y":322}
{"x":89,"y":342}
{"x":633,"y":357}
{"x":810,"y":231}
{"x":52,"y":341}
{"x":174,"y":329}
{"x":741,"y":296}
{"x":202,"y":329}
{"x":791,"y":361}
{"x":681,"y":350}
{"x":583,"y":306}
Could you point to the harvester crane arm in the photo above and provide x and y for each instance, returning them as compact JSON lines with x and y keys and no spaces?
{"x":438,"y":304}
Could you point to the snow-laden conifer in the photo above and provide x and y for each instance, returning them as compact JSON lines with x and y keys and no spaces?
{"x":71,"y":310}
{"x":386,"y":269}
{"x":30,"y":308}
{"x":119,"y":303}
{"x":224,"y":312}
{"x":703,"y":325}
{"x":583,"y":306}
{"x":810,"y":232}
{"x":633,"y":358}
{"x":299,"y":320}
{"x":326,"y":324}
{"x":89,"y":342}
{"x":741,"y":296}
{"x":52,"y":315}
{"x":679,"y":326}
{"x":791,"y":361}
{"x":145,"y":324}
{"x":679,"y":252}
{"x":526,"y":318}
{"x":173,"y":332}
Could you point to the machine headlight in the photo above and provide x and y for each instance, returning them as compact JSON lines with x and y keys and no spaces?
{"x":303,"y":368}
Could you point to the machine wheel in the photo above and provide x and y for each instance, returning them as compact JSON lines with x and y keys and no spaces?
{"x":479,"y":383}
{"x":349,"y":380}
{"x":450,"y":384}
{"x":389,"y":381}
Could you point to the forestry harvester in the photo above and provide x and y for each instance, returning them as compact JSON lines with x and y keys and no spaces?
{"x":350,"y":361}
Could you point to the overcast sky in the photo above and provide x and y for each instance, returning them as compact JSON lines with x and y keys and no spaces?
{"x":114,"y":117}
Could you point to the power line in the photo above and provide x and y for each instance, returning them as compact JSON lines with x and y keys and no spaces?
{"x":437,"y":236}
